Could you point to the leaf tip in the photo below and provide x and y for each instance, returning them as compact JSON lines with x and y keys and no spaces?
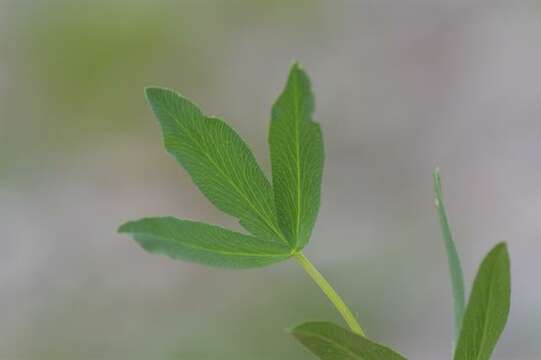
{"x":298,"y":70}
{"x":151,"y":92}
{"x":296,"y":329}
{"x":436,"y":176}
{"x":501,"y":249}
{"x":290,"y":330}
{"x":295,"y":64}
{"x":501,"y":245}
{"x":304,"y":326}
{"x":437,"y":186}
{"x":124,"y":228}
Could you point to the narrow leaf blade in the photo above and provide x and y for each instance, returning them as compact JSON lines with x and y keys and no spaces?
{"x":218,"y":160}
{"x":332,"y":342}
{"x":455,"y":269}
{"x":296,"y":148}
{"x":203,"y":243}
{"x":488,"y":307}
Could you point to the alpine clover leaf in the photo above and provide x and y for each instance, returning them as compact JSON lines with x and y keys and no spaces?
{"x":280,"y":217}
{"x":296,"y":148}
{"x":203,"y":243}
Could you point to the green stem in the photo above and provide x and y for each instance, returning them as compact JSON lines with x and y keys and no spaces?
{"x":330,"y":292}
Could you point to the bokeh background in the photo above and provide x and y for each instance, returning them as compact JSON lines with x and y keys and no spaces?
{"x":400,"y":88}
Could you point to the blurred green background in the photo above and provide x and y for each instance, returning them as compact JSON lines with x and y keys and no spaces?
{"x":400,"y":88}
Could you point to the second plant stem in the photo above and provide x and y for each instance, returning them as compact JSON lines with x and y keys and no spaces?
{"x":328,"y":290}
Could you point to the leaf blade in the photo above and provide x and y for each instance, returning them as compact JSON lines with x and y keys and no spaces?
{"x":332,"y":342}
{"x":203,"y":243}
{"x":297,"y":157}
{"x":218,"y":161}
{"x":455,"y":269}
{"x":488,"y":307}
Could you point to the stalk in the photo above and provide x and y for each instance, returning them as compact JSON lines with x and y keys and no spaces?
{"x":328,"y":290}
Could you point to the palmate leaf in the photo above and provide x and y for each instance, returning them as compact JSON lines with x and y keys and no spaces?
{"x":296,"y":148}
{"x":203,"y":243}
{"x":488,"y":307}
{"x":219,"y":162}
{"x":332,"y":342}
{"x":457,"y":277}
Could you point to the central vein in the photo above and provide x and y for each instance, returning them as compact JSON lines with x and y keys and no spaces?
{"x":298,"y":155}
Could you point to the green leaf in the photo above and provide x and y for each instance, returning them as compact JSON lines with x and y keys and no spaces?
{"x":488,"y":307}
{"x":296,"y":148}
{"x":203,"y":243}
{"x":457,"y":277}
{"x":219,"y":162}
{"x":332,"y":342}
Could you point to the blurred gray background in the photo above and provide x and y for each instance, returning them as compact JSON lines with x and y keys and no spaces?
{"x":400,"y":88}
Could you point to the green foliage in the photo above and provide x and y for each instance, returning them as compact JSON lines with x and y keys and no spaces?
{"x":488,"y":307}
{"x":281,"y":217}
{"x":457,"y":278}
{"x":296,"y":148}
{"x":218,"y":160}
{"x":203,"y":243}
{"x":479,"y":327}
{"x":332,"y":342}
{"x":225,"y":170}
